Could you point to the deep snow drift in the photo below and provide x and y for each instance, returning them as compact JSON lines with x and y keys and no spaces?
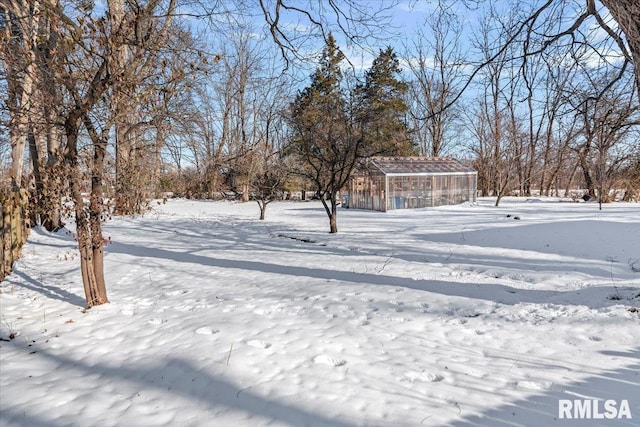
{"x":451,"y":316}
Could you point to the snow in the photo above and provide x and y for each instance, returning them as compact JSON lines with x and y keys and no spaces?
{"x":451,"y":316}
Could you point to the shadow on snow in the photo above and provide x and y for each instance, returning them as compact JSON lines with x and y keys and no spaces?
{"x":179,"y":377}
{"x":542,"y":409}
{"x":594,"y":297}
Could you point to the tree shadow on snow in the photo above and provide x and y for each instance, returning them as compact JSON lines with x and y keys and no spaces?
{"x":593,"y":297}
{"x":171,"y":377}
{"x":542,"y":409}
{"x":582,"y":246}
{"x":63,"y":238}
{"x":24,"y":280}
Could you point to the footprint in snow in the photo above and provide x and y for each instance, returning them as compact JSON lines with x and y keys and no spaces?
{"x":128,"y":310}
{"x":176,"y":292}
{"x":414,"y":376}
{"x":206,"y":330}
{"x":538,"y":385}
{"x":258,"y":344}
{"x":323,"y":359}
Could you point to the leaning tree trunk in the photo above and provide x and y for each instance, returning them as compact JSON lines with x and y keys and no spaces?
{"x":627,"y":14}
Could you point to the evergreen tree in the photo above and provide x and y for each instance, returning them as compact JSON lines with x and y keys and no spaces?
{"x":333,"y":133}
{"x":380,"y":108}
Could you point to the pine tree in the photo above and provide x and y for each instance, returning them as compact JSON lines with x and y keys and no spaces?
{"x":380,"y":108}
{"x":333,"y":133}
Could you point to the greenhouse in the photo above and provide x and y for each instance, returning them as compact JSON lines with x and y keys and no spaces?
{"x":412,"y":182}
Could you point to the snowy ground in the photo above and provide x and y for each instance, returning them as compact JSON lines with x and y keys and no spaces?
{"x":453,"y":316}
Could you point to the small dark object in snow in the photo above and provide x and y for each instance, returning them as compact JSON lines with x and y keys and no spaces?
{"x":634,"y":310}
{"x":516,"y":218}
{"x":300,"y":239}
{"x":508,"y":215}
{"x":586,"y":197}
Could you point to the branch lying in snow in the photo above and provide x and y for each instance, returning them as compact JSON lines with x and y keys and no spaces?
{"x":300,"y":239}
{"x":386,"y":263}
{"x":229,"y":356}
{"x":240,"y":391}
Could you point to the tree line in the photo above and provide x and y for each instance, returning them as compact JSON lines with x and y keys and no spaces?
{"x":105,"y":107}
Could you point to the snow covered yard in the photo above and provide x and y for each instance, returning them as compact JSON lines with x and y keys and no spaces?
{"x":452,"y":316}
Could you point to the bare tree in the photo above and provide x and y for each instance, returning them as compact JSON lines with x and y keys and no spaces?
{"x":273,"y":168}
{"x":577,"y":24}
{"x":496,"y":123}
{"x":19,"y":46}
{"x":436,"y":64}
{"x":359,"y":22}
{"x":557,"y":124}
{"x":29,"y":39}
{"x":84,"y":69}
{"x":606,"y":123}
{"x":269,"y":180}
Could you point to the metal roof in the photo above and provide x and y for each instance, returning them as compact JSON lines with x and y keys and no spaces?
{"x":419,"y":165}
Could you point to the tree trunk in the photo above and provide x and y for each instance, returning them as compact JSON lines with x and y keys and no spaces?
{"x":263,"y":208}
{"x":18,"y":132}
{"x":20,"y":80}
{"x":36,"y":167}
{"x":570,"y":180}
{"x":627,"y":14}
{"x":129,"y":191}
{"x":245,"y":192}
{"x":331,"y":209}
{"x":588,"y":180}
{"x":333,"y":222}
{"x":52,"y":198}
{"x":96,"y":206}
{"x":95,"y":292}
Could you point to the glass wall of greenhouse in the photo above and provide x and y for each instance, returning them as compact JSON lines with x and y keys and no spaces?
{"x":423,"y":191}
{"x":376,"y":190}
{"x":367,"y":192}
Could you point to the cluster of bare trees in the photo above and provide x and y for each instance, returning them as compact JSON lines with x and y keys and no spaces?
{"x":230,"y":131}
{"x":74,"y":78}
{"x":107,"y":105}
{"x":100,"y":97}
{"x":548,"y":105}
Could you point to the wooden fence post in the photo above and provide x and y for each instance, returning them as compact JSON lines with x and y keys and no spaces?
{"x":2,"y":271}
{"x":6,"y":236}
{"x":14,"y":228}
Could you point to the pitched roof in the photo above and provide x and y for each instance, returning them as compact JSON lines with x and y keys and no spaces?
{"x":421,"y":165}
